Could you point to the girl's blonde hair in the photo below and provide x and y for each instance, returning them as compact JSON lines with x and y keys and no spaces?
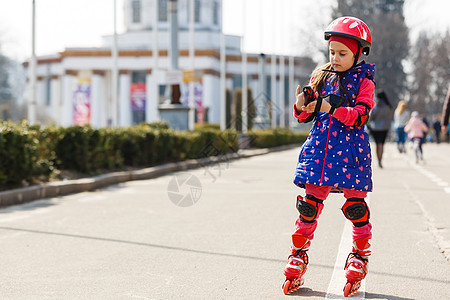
{"x":401,"y":106}
{"x":318,"y":76}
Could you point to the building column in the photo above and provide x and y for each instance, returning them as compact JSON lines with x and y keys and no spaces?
{"x":67,"y":98}
{"x":96,"y":99}
{"x":41,"y":105}
{"x":210,"y":99}
{"x":55,"y":99}
{"x":151,"y":97}
{"x":124,"y":98}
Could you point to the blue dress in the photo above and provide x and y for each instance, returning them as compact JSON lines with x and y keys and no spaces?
{"x":335,"y":154}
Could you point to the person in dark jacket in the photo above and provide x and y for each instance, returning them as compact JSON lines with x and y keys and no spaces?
{"x":445,"y":115}
{"x":437,"y":129}
{"x":380,"y":122}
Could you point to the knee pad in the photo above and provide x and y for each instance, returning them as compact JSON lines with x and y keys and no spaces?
{"x":357,"y":211}
{"x":308,"y":208}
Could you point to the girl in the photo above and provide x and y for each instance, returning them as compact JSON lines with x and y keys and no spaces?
{"x":401,"y":117}
{"x":336,"y":157}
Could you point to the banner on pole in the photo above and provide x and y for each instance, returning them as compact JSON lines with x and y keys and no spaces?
{"x":82,"y":102}
{"x":138,"y":96}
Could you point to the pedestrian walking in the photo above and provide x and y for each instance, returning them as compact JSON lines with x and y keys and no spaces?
{"x":437,"y":129}
{"x":445,"y":115}
{"x":401,"y":118}
{"x":336,"y":157}
{"x":425,"y":134}
{"x":380,"y":123}
{"x":416,"y":130}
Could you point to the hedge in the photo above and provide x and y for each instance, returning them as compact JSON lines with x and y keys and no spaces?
{"x":268,"y":138}
{"x":29,"y":154}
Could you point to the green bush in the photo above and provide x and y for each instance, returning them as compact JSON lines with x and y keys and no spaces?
{"x":31,"y":153}
{"x":268,"y":138}
{"x":18,"y":153}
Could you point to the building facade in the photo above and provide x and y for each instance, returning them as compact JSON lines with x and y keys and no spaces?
{"x":75,"y":86}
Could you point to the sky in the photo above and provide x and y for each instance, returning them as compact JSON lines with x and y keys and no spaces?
{"x":269,"y":26}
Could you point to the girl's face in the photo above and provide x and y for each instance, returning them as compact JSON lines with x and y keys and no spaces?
{"x":341,"y":57}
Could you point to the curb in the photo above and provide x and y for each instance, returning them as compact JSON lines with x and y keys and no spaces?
{"x":66,"y":187}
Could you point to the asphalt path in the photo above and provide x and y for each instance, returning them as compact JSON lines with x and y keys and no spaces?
{"x":223,"y":232}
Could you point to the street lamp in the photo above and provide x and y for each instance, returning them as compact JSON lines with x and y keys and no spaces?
{"x":33,"y":63}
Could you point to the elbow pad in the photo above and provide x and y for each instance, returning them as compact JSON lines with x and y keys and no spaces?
{"x":362,"y":119}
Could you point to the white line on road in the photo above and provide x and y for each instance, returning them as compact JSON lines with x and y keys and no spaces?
{"x":433,"y":177}
{"x":338,"y":280}
{"x":442,"y":244}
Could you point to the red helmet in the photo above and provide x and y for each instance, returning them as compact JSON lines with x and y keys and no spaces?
{"x":351,"y":27}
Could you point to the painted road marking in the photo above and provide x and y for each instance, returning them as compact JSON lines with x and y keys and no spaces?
{"x":338,"y":280}
{"x":442,"y":244}
{"x":433,"y":177}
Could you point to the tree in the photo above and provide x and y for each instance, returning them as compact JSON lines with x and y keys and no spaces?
{"x":440,"y":71}
{"x":5,"y":89}
{"x":421,"y":79}
{"x":12,"y":84}
{"x":430,"y":74}
{"x":390,"y":42}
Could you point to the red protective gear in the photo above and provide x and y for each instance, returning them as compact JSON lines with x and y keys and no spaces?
{"x":351,"y":27}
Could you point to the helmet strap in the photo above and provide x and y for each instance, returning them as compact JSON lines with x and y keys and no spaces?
{"x":358,"y":52}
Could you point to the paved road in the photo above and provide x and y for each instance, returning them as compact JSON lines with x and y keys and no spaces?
{"x":130,"y":241}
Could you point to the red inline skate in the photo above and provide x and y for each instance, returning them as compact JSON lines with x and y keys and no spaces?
{"x":296,"y":266}
{"x":356,"y":266}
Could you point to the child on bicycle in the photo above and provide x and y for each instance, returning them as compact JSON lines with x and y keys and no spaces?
{"x":416,"y":130}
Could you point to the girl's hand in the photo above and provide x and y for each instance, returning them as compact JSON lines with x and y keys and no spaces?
{"x":312,"y":106}
{"x":300,"y":97}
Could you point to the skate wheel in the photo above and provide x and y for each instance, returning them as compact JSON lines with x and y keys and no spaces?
{"x":347,"y":289}
{"x":286,"y":286}
{"x":292,"y":286}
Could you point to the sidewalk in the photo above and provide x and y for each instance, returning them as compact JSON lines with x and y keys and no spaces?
{"x":66,"y":187}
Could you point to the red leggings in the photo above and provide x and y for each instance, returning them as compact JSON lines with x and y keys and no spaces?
{"x":322,"y":192}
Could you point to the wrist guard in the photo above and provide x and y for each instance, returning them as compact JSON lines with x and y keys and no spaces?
{"x":309,"y":95}
{"x":335,"y":102}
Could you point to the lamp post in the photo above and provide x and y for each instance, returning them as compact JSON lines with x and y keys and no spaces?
{"x":223,"y":100}
{"x":191,"y":115}
{"x":244,"y":112}
{"x":114,"y":73}
{"x":173,"y":18}
{"x":33,"y":63}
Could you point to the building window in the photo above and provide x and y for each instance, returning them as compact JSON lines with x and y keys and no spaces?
{"x":48,"y":91}
{"x":196,"y":11}
{"x":138,"y":76}
{"x":162,"y":7}
{"x":136,"y":11}
{"x":216,"y":13}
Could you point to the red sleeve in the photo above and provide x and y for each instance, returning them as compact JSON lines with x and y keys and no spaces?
{"x":302,"y":115}
{"x":356,"y":116}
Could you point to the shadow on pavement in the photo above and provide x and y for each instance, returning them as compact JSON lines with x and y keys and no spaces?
{"x":27,"y":206}
{"x":368,"y":295}
{"x":388,"y":297}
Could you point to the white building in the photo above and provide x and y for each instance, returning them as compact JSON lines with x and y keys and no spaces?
{"x":75,"y":86}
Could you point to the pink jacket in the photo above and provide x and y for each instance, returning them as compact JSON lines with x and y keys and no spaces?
{"x":416,"y":128}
